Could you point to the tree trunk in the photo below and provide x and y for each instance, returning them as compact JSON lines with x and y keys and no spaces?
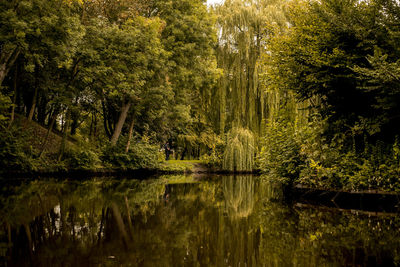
{"x":29,"y":237}
{"x":120,"y":224}
{"x":7,"y":60}
{"x":128,"y":144}
{"x":72,"y":214}
{"x":63,"y":223}
{"x":34,"y":99}
{"x":75,"y":115}
{"x":53,"y":120}
{"x":14,"y":97}
{"x":65,"y":134}
{"x":9,"y":235}
{"x":41,"y":108}
{"x":45,"y":217}
{"x":74,"y":123}
{"x":120,"y":123}
{"x":32,"y":110}
{"x":91,"y":127}
{"x":95,"y":127}
{"x":105,"y":115}
{"x":101,"y":226}
{"x":128,"y":212}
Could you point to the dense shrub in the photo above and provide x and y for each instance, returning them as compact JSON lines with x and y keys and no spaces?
{"x":15,"y":152}
{"x":215,"y":157}
{"x":142,"y":155}
{"x":80,"y":157}
{"x":280,"y":150}
{"x":308,"y":156}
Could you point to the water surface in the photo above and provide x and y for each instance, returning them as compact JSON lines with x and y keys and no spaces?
{"x":184,"y":221}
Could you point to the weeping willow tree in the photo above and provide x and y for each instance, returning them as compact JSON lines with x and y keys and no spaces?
{"x":244,"y":27}
{"x":240,"y":149}
{"x":246,"y":96}
{"x":279,"y":101}
{"x":283,"y":104}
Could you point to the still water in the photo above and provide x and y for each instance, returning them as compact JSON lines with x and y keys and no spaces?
{"x":184,"y":221}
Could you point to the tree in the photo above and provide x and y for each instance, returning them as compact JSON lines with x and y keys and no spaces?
{"x":245,"y":28}
{"x":320,"y":55}
{"x":189,"y":38}
{"x":126,"y":59}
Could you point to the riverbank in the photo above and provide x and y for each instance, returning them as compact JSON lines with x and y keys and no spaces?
{"x":165,"y":167}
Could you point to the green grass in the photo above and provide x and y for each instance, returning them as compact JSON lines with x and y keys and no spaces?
{"x":180,"y":165}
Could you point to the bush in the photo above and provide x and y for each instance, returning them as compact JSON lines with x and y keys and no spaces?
{"x":280,"y":150}
{"x":142,"y":155}
{"x":335,"y":163}
{"x":81,"y":158}
{"x":15,"y":152}
{"x":215,"y":157}
{"x":306,"y":155}
{"x":5,"y":105}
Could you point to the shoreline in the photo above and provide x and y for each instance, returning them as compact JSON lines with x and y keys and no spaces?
{"x":130,"y":173}
{"x":370,"y":201}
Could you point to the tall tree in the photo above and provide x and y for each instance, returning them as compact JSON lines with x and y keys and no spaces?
{"x":245,"y":27}
{"x":189,"y":37}
{"x":328,"y":46}
{"x":127,"y":58}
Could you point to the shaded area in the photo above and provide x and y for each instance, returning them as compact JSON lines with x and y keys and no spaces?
{"x":371,"y":201}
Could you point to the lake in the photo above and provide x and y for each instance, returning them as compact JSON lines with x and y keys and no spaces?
{"x":176,"y":220}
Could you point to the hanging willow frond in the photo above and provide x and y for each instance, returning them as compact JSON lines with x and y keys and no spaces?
{"x":244,"y":27}
{"x":240,"y":149}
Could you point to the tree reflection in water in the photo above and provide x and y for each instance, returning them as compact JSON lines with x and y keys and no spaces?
{"x":239,"y":196}
{"x":171,"y":221}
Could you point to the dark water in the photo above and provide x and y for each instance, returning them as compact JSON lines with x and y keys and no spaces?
{"x":184,"y":221}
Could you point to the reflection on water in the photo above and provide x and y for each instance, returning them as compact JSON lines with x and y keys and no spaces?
{"x":177,"y":221}
{"x":239,"y":196}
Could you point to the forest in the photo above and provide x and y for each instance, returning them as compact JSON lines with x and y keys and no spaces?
{"x":305,"y":91}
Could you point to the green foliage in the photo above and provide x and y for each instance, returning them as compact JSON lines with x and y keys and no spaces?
{"x":79,"y":63}
{"x":205,"y":143}
{"x":280,"y":150}
{"x":324,"y":158}
{"x":126,"y":56}
{"x":215,"y":158}
{"x":89,"y":66}
{"x":239,"y":196}
{"x":15,"y":151}
{"x":342,"y":57}
{"x":344,"y":54}
{"x":189,"y":37}
{"x":308,"y":156}
{"x":348,"y":170}
{"x":142,"y":155}
{"x":80,"y":157}
{"x":245,"y":27}
{"x":240,"y":150}
{"x":5,"y":105}
{"x":187,"y":166}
